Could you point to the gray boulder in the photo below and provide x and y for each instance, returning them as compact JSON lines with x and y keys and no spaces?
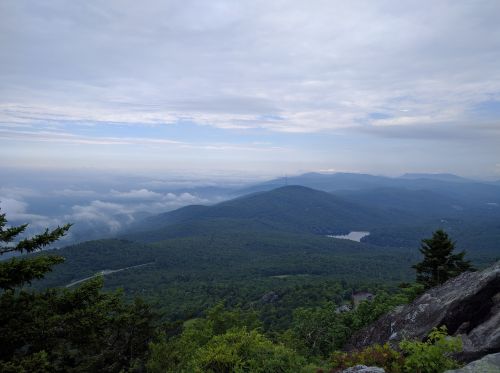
{"x":363,"y":369}
{"x":488,"y":364}
{"x":469,"y":306}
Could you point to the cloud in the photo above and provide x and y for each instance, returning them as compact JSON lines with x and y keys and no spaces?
{"x":123,"y":208}
{"x":18,"y":192}
{"x":17,"y":212}
{"x":142,"y":194}
{"x":101,"y":214}
{"x":51,"y":136}
{"x":13,"y":208}
{"x":69,"y":138}
{"x":414,"y":129}
{"x":320,"y":66}
{"x":74,"y":193}
{"x":278,"y":86}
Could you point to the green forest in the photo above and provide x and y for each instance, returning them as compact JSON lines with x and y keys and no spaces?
{"x":232,"y":301}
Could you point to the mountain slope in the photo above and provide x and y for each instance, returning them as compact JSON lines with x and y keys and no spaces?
{"x":413,"y":203}
{"x":441,"y":177}
{"x":292,"y":209}
{"x":397,"y":217}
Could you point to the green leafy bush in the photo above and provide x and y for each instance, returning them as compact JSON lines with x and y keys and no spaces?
{"x":223,"y":341}
{"x":433,"y":355}
{"x":240,"y":351}
{"x":317,"y":331}
{"x":377,"y":355}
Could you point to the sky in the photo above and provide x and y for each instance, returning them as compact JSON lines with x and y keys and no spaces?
{"x":254,"y":87}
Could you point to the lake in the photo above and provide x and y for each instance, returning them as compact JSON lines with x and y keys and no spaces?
{"x":353,"y":236}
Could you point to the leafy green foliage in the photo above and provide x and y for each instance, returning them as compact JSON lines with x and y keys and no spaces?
{"x":383,"y":356}
{"x":223,"y":341}
{"x":319,"y":331}
{"x":35,"y":363}
{"x":433,"y":355}
{"x":239,"y":350}
{"x":81,"y":330}
{"x":189,"y":275}
{"x":369,"y":311}
{"x":16,"y":272}
{"x":174,"y":352}
{"x":440,"y":263}
{"x":8,"y":235}
{"x":61,"y":330}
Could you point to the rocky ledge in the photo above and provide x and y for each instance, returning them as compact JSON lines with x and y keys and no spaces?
{"x":469,"y":306}
{"x":363,"y":369}
{"x":488,"y":364}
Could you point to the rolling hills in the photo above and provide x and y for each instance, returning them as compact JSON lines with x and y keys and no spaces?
{"x":276,"y":242}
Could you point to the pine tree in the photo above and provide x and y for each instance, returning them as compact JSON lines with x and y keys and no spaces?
{"x":440,"y":262}
{"x":18,"y":271}
{"x":64,"y":330}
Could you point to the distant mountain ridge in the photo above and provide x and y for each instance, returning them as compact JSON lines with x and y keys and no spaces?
{"x":466,"y":190}
{"x":292,"y":208}
{"x":397,"y":212}
{"x":438,"y":176}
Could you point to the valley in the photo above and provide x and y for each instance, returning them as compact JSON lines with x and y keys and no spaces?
{"x":291,"y":237}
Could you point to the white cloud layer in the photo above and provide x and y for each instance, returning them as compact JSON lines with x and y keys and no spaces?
{"x":123,"y":208}
{"x":286,"y":66}
{"x":94,"y":213}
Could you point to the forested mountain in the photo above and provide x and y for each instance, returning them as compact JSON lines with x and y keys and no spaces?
{"x":396,"y":217}
{"x":292,"y":209}
{"x":275,"y":239}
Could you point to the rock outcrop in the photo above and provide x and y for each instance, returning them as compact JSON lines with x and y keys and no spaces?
{"x":488,"y":364}
{"x":363,"y":369}
{"x":469,"y":306}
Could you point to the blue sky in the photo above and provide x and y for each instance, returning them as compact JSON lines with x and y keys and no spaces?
{"x":251,"y":87}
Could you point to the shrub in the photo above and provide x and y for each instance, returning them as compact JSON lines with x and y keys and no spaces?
{"x":240,"y":351}
{"x":377,"y":355}
{"x":433,"y":355}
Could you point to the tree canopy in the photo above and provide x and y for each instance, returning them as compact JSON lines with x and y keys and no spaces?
{"x":440,"y":263}
{"x":19,"y":271}
{"x":55,"y":330}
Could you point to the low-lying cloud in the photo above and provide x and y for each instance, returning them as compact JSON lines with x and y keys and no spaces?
{"x":95,"y":214}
